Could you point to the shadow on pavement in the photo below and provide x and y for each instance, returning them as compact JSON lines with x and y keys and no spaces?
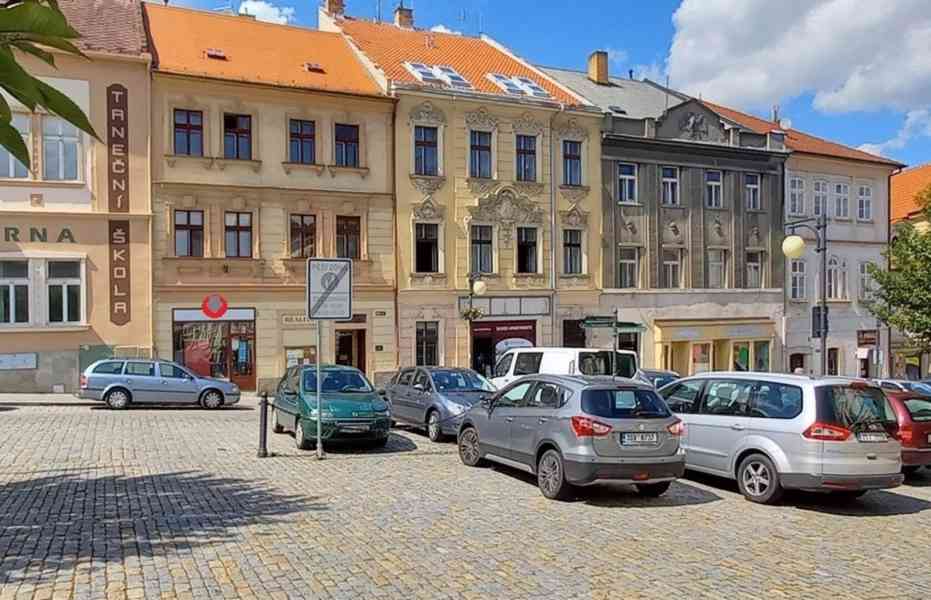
{"x":397,"y":444}
{"x":49,"y":524}
{"x":76,"y":403}
{"x":921,"y":478}
{"x":173,"y":407}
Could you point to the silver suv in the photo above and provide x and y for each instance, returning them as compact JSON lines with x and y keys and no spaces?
{"x":573,"y":430}
{"x":775,"y":432}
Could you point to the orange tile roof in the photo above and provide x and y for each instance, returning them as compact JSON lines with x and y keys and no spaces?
{"x":256,"y":52}
{"x":905,"y":187}
{"x":389,"y":47}
{"x":797,"y":140}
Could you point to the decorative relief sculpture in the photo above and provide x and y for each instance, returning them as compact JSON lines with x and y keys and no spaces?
{"x":528,"y":125}
{"x":574,"y":217}
{"x":481,"y":119}
{"x":571,"y":130}
{"x":506,"y":209}
{"x":427,"y":114}
{"x":693,"y":125}
{"x":428,"y":210}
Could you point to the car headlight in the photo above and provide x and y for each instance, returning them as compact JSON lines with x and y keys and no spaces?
{"x":457,"y":409}
{"x":326,"y":414}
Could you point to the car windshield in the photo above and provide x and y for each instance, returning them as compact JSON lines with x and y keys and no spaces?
{"x":623,"y":403}
{"x":337,"y":380}
{"x":919,"y":409}
{"x":853,"y":406}
{"x":599,"y":363}
{"x":460,"y":380}
{"x":918,"y":387}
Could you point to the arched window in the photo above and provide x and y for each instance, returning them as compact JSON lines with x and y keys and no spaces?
{"x":837,"y":279}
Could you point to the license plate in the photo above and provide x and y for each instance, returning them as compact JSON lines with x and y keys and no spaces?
{"x":871,"y":436}
{"x":355,"y":427}
{"x":639,"y":439}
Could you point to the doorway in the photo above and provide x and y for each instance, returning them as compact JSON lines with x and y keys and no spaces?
{"x":491,"y":339}
{"x":350,"y":348}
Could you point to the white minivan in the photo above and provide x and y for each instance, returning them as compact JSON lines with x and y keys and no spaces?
{"x":518,"y":362}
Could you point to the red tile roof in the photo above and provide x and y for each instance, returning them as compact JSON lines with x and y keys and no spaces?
{"x":390,"y":46}
{"x":113,"y":26}
{"x":904,"y":190}
{"x":254,"y":51}
{"x":797,"y":140}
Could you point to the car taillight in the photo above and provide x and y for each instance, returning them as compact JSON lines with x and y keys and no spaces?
{"x":676,"y":429}
{"x":585,"y":427}
{"x":826,"y":432}
{"x":83,"y":381}
{"x":904,"y":434}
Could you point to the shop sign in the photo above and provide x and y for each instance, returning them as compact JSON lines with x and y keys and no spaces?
{"x":120,"y":286}
{"x":295,"y":320}
{"x":37,"y":234}
{"x":23,"y":360}
{"x":867,"y":337}
{"x":118,"y":148}
{"x":214,"y":306}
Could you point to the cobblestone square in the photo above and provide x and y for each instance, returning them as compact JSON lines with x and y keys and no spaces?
{"x":173,"y":503}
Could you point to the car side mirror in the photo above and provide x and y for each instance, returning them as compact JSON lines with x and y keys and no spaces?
{"x":419,"y":387}
{"x":487,"y":402}
{"x":381,"y":392}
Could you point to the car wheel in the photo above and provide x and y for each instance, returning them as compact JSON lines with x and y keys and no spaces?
{"x":551,"y":477}
{"x":276,"y":426}
{"x":910,"y":470}
{"x":117,"y":399}
{"x":434,"y":428}
{"x":653,"y":490}
{"x":212,"y":399}
{"x":300,"y":440}
{"x":469,"y":451}
{"x":758,"y":480}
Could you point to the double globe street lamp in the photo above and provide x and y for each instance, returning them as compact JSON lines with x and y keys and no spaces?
{"x":793,"y":246}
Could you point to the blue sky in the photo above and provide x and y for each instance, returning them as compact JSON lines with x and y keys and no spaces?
{"x":864,"y":81}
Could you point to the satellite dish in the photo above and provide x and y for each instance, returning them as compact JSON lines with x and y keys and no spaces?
{"x":785,"y":124}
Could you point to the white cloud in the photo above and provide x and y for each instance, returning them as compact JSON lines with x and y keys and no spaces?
{"x":850,"y":54}
{"x":917,"y":124}
{"x":617,"y":56}
{"x":653,"y":71}
{"x":444,"y":29}
{"x":266,"y":11}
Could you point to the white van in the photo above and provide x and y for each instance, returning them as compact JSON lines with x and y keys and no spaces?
{"x":518,"y":362}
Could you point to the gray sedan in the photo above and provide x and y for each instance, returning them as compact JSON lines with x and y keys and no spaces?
{"x":121,"y":382}
{"x":435,"y":397}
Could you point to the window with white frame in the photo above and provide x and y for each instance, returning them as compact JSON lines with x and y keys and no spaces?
{"x":14,"y":292}
{"x":671,"y":273}
{"x":572,"y":251}
{"x":713,"y":192}
{"x":482,"y":252}
{"x":518,"y":86}
{"x":10,"y":167}
{"x":717,"y":269}
{"x":572,"y":162}
{"x":438,"y":75}
{"x":865,"y":203}
{"x":752,"y":191}
{"x":754,"y":269}
{"x":820,"y":197}
{"x":866,"y":281}
{"x":527,"y":250}
{"x":837,"y":279}
{"x":626,"y":183}
{"x":526,"y":157}
{"x":64,"y":291}
{"x":798,"y":279}
{"x":796,"y":196}
{"x":428,"y":343}
{"x":670,"y":185}
{"x":61,"y":150}
{"x":628,"y":268}
{"x":480,"y":154}
{"x":841,"y":201}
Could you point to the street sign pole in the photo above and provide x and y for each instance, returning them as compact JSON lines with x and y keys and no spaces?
{"x":320,"y":454}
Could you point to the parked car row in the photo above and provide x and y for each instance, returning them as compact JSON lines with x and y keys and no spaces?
{"x":122,"y":382}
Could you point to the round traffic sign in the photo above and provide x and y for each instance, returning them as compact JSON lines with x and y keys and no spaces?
{"x":214,"y":306}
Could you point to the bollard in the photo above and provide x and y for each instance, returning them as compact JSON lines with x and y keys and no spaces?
{"x":263,"y":426}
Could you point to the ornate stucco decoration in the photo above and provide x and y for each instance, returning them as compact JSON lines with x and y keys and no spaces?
{"x":428,"y":210}
{"x":674,"y":229}
{"x":718,"y":228}
{"x":754,"y":239}
{"x":574,"y":217}
{"x":427,"y":185}
{"x":481,"y":119}
{"x":529,"y":188}
{"x":528,"y":125}
{"x":574,"y":193}
{"x":481,"y":187}
{"x":631,"y":227}
{"x":427,"y":114}
{"x":693,"y":125}
{"x":572,"y":130}
{"x":506,"y":209}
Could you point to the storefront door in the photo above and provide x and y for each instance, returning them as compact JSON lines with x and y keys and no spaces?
{"x":223,"y":348}
{"x":491,"y":339}
{"x":350,"y":348}
{"x":242,"y":354}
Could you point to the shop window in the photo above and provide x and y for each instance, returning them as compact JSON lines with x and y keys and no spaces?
{"x":64,"y":292}
{"x":346,"y":148}
{"x":426,"y":153}
{"x":572,"y":162}
{"x":300,"y":356}
{"x":526,"y":250}
{"x":480,"y":154}
{"x":302,"y":141}
{"x":61,"y":150}
{"x":761,"y":356}
{"x":573,"y":334}
{"x":701,"y":357}
{"x":237,"y":137}
{"x":797,"y":363}
{"x":428,"y":340}
{"x":426,"y":250}
{"x":189,"y":132}
{"x":10,"y":167}
{"x":526,"y":157}
{"x":349,"y":237}
{"x":481,"y":249}
{"x":572,"y":251}
{"x":741,"y":356}
{"x":303,"y":236}
{"x":189,"y":233}
{"x":238,"y":235}
{"x":14,"y":292}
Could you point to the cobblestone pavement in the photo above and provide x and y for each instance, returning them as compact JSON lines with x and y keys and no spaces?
{"x":173,"y":503}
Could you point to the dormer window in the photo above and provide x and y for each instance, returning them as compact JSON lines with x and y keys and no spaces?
{"x":507,"y":84}
{"x":438,"y":75}
{"x":518,"y":86}
{"x":215,"y":53}
{"x":532,"y":87}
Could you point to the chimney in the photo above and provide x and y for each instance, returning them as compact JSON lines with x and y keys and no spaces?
{"x":775,"y":118}
{"x":404,"y":17}
{"x":334,"y":7}
{"x":598,"y":67}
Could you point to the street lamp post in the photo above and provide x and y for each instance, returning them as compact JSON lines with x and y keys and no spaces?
{"x":793,"y":246}
{"x":477,"y":287}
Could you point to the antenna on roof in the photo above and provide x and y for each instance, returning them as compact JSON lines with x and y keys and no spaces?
{"x":378,"y":11}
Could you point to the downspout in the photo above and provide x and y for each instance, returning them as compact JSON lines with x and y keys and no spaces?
{"x":553,"y":210}
{"x":150,"y":160}
{"x":886,"y":366}
{"x":785,"y":272}
{"x":394,"y":212}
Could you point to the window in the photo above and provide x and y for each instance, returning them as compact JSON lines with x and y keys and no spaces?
{"x":865,"y":203}
{"x":821,"y":198}
{"x":727,"y":397}
{"x":837,"y":279}
{"x":528,"y":363}
{"x":424,"y":73}
{"x":481,"y":249}
{"x":797,"y":196}
{"x":752,"y":191}
{"x":515,"y":395}
{"x":532,"y":87}
{"x":623,"y":404}
{"x":713,"y":196}
{"x":438,"y":75}
{"x":480,"y":154}
{"x":572,"y":251}
{"x":626,"y":183}
{"x":171,"y":371}
{"x":670,"y":185}
{"x":349,"y":237}
{"x":717,"y":269}
{"x":526,"y":157}
{"x":833,"y":361}
{"x":672,"y":269}
{"x":303,"y":236}
{"x":866,"y":281}
{"x":189,"y":132}
{"x":683,"y":398}
{"x":628,"y":268}
{"x":61,"y":150}
{"x":573,"y":333}
{"x":428,"y":340}
{"x":453,"y":78}
{"x":406,"y":377}
{"x":797,"y":283}
{"x":64,"y":292}
{"x":140,"y":369}
{"x":572,"y":163}
{"x":237,"y":137}
{"x":504,"y":365}
{"x":761,"y":356}
{"x":427,"y":250}
{"x":796,"y":362}
{"x":109,"y":368}
{"x":775,"y":401}
{"x":189,"y":233}
{"x":754,"y":269}
{"x":346,"y":148}
{"x":238,"y":235}
{"x":10,"y":168}
{"x":302,"y":142}
{"x":841,"y":201}
{"x":526,"y":250}
{"x":14,"y":292}
{"x":546,"y":395}
{"x":701,"y":357}
{"x":426,"y":160}
{"x":518,"y":86}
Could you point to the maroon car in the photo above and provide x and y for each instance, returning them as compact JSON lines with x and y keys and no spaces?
{"x":913,"y":412}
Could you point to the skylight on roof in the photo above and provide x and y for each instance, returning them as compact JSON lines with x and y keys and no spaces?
{"x":533,"y":87}
{"x":438,"y":75}
{"x":519,"y":86}
{"x":215,"y":53}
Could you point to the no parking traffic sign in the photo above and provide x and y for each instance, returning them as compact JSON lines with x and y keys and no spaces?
{"x":329,"y":288}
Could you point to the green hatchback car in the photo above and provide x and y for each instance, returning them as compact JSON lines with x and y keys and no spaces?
{"x":351,"y":409}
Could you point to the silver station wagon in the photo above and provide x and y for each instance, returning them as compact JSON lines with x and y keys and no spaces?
{"x":121,"y":382}
{"x":775,"y":432}
{"x":571,"y":430}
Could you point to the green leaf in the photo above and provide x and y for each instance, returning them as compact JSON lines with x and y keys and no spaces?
{"x":29,"y":48}
{"x":35,"y":18}
{"x":45,"y":40}
{"x":18,"y":82}
{"x":11,"y":139}
{"x":6,"y":115}
{"x":62,"y":106}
